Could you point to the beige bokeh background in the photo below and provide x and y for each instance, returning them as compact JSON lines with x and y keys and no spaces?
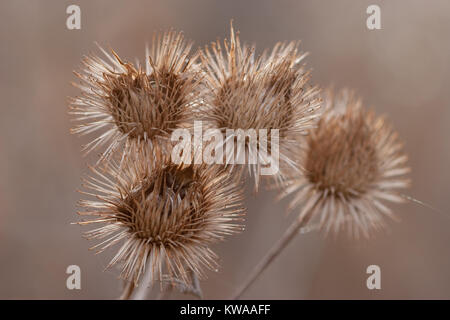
{"x":402,"y":70}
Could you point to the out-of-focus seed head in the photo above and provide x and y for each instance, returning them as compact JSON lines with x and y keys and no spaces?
{"x":353,"y":160}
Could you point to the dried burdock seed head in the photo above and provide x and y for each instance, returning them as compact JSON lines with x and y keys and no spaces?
{"x":352,"y":162}
{"x":166,"y":217}
{"x":270,"y":92}
{"x":126,"y":103}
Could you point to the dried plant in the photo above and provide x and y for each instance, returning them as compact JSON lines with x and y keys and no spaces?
{"x":163,"y":215}
{"x":339,"y":166}
{"x":129,"y":105}
{"x":267,"y":92}
{"x":353,"y":160}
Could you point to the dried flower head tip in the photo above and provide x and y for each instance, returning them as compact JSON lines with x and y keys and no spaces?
{"x":128,"y":103}
{"x":166,"y":217}
{"x":270,"y":92}
{"x":353,"y":161}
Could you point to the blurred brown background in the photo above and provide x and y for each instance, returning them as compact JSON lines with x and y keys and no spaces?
{"x":402,"y":70}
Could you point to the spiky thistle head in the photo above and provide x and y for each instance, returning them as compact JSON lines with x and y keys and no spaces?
{"x":128,"y":104}
{"x":166,"y":217}
{"x":353,"y":160}
{"x":270,"y":92}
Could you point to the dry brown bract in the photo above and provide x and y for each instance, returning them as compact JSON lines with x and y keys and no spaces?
{"x":129,"y":104}
{"x":353,"y":160}
{"x":267,"y":92}
{"x":166,"y":217}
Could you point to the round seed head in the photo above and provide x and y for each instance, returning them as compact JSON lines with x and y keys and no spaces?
{"x":130,"y":104}
{"x":166,"y":217}
{"x":270,"y":92}
{"x":353,"y":160}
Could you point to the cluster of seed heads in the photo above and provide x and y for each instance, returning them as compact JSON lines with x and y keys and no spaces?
{"x":339,"y":161}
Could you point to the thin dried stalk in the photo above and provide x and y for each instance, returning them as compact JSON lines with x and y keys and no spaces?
{"x":127,"y":291}
{"x":274,"y":252}
{"x":145,"y":289}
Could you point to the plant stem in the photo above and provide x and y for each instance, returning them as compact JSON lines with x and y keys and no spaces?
{"x":127,"y":291}
{"x":270,"y":256}
{"x":196,"y":286}
{"x":146,"y":285}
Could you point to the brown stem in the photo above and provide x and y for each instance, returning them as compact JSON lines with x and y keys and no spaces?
{"x":146,"y":286}
{"x":197,"y":287}
{"x":270,"y":256}
{"x":127,"y":290}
